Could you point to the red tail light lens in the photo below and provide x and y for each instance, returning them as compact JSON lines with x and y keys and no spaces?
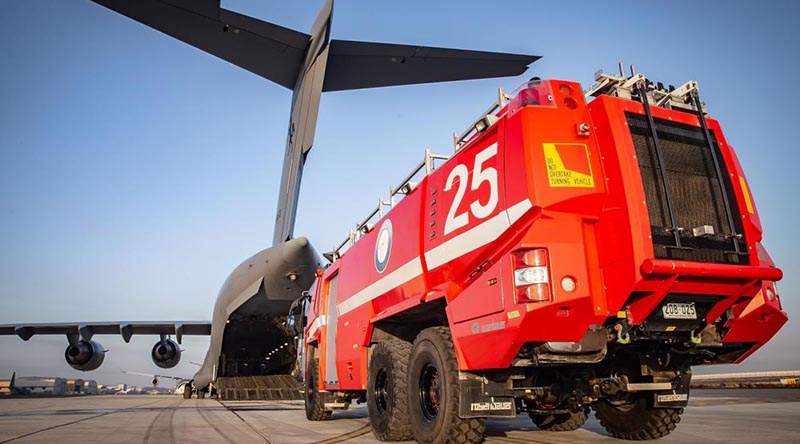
{"x":532,"y":276}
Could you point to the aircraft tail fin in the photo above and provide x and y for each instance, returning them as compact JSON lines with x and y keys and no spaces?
{"x":309,"y":65}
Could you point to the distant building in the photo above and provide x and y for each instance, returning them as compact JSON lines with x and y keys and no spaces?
{"x":5,"y":386}
{"x":74,"y":386}
{"x":82,"y":387}
{"x":90,"y":387}
{"x":156,"y":390}
{"x":110,"y":389}
{"x":35,"y":384}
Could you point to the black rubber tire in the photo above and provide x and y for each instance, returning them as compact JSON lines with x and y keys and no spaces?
{"x":187,"y":391}
{"x":315,"y":410}
{"x":201,"y":394}
{"x":636,"y":420}
{"x":387,"y":391}
{"x":560,"y":422}
{"x":433,"y":353}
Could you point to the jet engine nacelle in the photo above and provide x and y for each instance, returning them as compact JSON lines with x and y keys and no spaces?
{"x":84,"y":355}
{"x":166,"y":353}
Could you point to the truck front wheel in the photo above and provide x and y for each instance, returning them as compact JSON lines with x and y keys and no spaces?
{"x":387,"y":391}
{"x":315,"y":409}
{"x":636,"y":420}
{"x":560,"y":422}
{"x":433,"y":392}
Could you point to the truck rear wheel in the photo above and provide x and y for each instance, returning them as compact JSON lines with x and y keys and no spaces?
{"x":636,"y":419}
{"x":433,"y":392}
{"x":559,"y":422}
{"x":315,"y":409}
{"x":387,"y":391}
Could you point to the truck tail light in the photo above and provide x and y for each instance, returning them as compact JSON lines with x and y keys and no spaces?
{"x":532,"y":276}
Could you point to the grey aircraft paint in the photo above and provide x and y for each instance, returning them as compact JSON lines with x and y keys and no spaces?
{"x":259,"y":291}
{"x":275,"y":276}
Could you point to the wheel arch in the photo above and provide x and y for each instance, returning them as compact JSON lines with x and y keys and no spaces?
{"x":406,"y":325}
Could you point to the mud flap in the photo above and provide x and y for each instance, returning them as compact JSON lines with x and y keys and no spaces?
{"x":475,"y":404}
{"x":677,"y":397}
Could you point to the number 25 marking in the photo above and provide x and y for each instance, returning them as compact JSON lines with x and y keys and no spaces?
{"x":480,"y":175}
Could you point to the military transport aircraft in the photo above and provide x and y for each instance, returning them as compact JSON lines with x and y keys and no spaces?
{"x":247,"y":319}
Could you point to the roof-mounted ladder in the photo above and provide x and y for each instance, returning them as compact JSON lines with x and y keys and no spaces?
{"x":487,"y":119}
{"x":406,"y":186}
{"x":627,"y":87}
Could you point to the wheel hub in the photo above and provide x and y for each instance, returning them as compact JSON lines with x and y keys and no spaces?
{"x":381,"y":391}
{"x":430,"y":395}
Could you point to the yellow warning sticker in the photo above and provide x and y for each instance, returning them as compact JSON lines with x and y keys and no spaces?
{"x":568,"y":165}
{"x":747,"y":202}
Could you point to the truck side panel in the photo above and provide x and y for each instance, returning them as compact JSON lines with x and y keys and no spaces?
{"x":465,"y":218}
{"x":383,"y":270}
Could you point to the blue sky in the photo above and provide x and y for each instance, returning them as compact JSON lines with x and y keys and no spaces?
{"x":136,"y":172}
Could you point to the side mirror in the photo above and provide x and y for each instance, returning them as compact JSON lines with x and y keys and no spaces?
{"x":296,"y":318}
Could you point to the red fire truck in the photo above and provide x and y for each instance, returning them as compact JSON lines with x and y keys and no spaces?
{"x":569,"y":256}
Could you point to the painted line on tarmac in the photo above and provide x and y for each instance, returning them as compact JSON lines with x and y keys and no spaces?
{"x":163,"y":422}
{"x":344,"y":437}
{"x":72,"y":422}
{"x":511,"y":440}
{"x":249,"y":425}
{"x":219,"y":431}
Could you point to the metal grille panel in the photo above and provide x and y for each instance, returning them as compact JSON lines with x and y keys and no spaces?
{"x":695,"y":191}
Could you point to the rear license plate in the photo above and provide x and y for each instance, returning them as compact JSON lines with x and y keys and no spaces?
{"x":679,"y":310}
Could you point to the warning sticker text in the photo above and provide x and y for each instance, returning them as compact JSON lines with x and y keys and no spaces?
{"x":568,"y":165}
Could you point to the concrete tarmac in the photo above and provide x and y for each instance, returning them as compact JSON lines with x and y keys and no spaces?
{"x":734,"y":416}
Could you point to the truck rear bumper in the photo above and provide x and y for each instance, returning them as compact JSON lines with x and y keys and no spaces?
{"x":661,"y":267}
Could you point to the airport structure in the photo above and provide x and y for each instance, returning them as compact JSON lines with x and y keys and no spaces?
{"x":786,"y":378}
{"x":5,"y":386}
{"x":41,"y":385}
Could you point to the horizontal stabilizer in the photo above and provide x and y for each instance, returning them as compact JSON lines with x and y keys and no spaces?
{"x":268,"y":50}
{"x":356,"y":65}
{"x":277,"y":53}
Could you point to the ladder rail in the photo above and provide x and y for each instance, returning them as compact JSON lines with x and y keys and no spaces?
{"x":405,"y":187}
{"x":502,"y":100}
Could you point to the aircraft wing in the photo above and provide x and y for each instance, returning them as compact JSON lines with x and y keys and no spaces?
{"x":356,"y":65}
{"x":126,"y":329}
{"x":152,"y":375}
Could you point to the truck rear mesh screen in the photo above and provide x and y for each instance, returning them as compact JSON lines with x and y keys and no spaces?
{"x":695,"y":188}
